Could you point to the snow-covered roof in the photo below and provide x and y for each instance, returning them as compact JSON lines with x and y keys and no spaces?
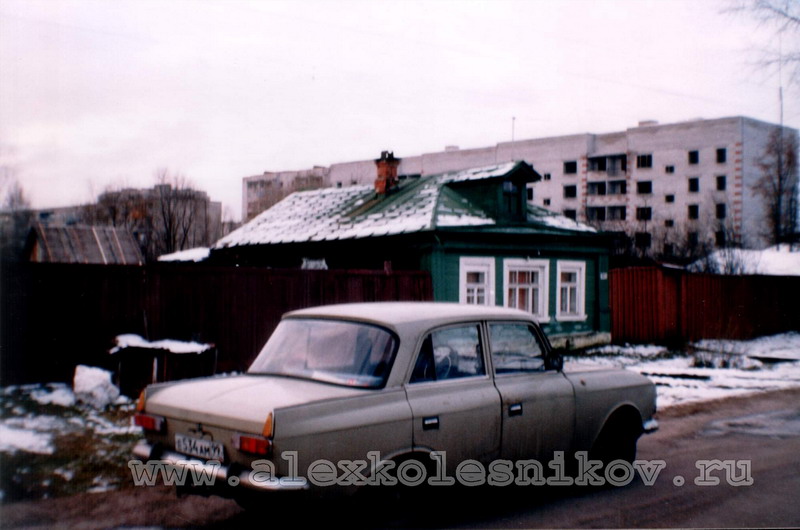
{"x":172,"y":346}
{"x":192,"y":254}
{"x":542,"y":216}
{"x":419,"y":205}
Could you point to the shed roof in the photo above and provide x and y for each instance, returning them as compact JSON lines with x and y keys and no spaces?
{"x":418,"y":205}
{"x":105,"y":245}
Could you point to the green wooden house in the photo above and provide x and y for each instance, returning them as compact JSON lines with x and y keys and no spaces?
{"x":473,"y":230}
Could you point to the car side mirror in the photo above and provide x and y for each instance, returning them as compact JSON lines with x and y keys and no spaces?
{"x":555,"y":362}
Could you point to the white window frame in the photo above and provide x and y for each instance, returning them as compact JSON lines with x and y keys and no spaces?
{"x":541,"y":266}
{"x":483,"y":265}
{"x":578,"y":267}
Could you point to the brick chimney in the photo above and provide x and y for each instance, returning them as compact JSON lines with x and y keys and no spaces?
{"x":386,"y":179}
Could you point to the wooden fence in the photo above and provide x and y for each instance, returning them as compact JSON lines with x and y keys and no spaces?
{"x":650,"y":304}
{"x":54,"y":316}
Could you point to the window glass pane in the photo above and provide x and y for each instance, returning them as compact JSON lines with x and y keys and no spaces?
{"x":523,"y":288}
{"x":570,"y":291}
{"x":515,"y":348}
{"x":475,"y":277}
{"x":344,"y":353}
{"x":449,"y":354}
{"x":523,"y":299}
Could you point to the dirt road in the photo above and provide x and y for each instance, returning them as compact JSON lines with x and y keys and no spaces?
{"x":763,"y":430}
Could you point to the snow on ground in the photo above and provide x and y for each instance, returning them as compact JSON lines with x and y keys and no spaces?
{"x":53,"y":441}
{"x":713,"y":369}
{"x":93,"y":386}
{"x":785,"y":346}
{"x":13,"y":439}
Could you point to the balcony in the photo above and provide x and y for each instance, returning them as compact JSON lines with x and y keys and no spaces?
{"x":608,"y":165}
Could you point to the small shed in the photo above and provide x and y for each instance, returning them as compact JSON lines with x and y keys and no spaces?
{"x":140,"y":362}
{"x":103,"y":245}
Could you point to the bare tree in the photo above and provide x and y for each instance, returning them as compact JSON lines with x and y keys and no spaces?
{"x":182,"y":217}
{"x":16,"y":218}
{"x":778,"y":185}
{"x":783,"y":17}
{"x":171,"y":216}
{"x":175,"y":213}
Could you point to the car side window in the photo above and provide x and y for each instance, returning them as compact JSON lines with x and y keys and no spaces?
{"x":450,"y":353}
{"x":515,"y":348}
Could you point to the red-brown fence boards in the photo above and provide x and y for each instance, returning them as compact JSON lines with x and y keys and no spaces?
{"x":54,"y":316}
{"x":651,"y":304}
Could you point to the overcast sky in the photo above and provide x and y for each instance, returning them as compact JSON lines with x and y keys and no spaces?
{"x":104,"y":93}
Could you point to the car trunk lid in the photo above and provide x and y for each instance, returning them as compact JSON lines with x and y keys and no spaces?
{"x":238,"y":402}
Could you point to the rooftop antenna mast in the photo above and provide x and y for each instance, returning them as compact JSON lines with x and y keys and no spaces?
{"x":513,"y":120}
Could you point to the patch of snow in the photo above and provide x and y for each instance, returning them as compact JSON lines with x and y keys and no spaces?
{"x":38,"y":423}
{"x":782,"y":346}
{"x":170,"y":345}
{"x":64,"y":473}
{"x":193,"y":254}
{"x":462,"y":220}
{"x":60,"y":395}
{"x":105,"y":427}
{"x":721,"y":369}
{"x":780,"y":260}
{"x":93,"y":386}
{"x":101,"y":485}
{"x":479,"y":173}
{"x":628,"y":350}
{"x":564,"y":223}
{"x":28,"y":441}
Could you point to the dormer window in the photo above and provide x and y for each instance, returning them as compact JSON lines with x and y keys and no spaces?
{"x":514,"y":197}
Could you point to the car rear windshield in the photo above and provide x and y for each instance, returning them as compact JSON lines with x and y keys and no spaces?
{"x":332,"y":351}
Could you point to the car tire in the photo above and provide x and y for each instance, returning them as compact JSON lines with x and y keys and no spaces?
{"x":616,"y":441}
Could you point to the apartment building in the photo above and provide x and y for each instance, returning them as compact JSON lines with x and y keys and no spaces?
{"x":666,"y":186}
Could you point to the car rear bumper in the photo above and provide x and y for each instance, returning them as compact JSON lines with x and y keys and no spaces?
{"x":219,"y":474}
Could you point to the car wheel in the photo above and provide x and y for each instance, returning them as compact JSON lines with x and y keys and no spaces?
{"x":401,"y":498}
{"x":617,"y":441}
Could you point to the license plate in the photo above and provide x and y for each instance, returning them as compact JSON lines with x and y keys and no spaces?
{"x":207,"y":449}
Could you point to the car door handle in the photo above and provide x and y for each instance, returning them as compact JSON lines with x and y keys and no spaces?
{"x":515,"y":409}
{"x":430,"y":423}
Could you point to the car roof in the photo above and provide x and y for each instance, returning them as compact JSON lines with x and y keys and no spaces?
{"x":398,"y":313}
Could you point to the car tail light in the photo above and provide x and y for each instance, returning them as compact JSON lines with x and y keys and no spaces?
{"x":253,"y":444}
{"x":149,"y":422}
{"x":140,"y":402}
{"x":267,"y":430}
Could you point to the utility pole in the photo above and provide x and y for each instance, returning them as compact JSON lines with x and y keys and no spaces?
{"x":781,"y":227}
